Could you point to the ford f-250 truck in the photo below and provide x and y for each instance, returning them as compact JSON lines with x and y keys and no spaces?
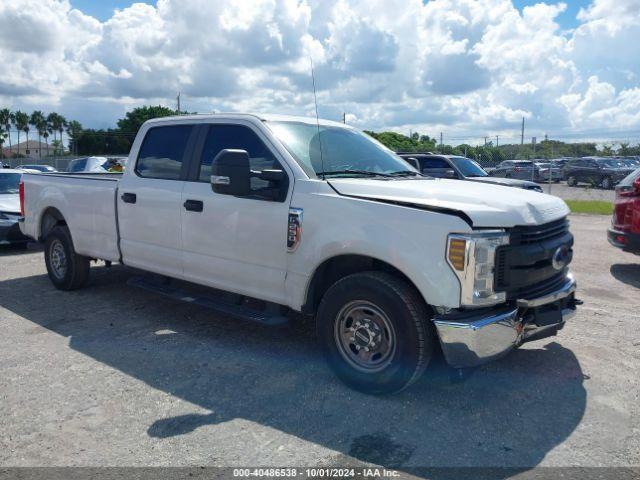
{"x":288,"y":213}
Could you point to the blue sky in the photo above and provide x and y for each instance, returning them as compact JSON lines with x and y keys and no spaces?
{"x":467,"y":68}
{"x":567,"y":19}
{"x":102,"y":9}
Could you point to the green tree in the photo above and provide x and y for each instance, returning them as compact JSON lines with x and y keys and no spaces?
{"x":6,"y":120}
{"x":134,"y":119}
{"x":22,"y":125}
{"x":37,"y":120}
{"x":74,"y":130}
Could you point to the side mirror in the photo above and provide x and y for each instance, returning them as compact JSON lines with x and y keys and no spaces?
{"x":450,"y":174}
{"x":231,"y":173}
{"x":413,"y":162}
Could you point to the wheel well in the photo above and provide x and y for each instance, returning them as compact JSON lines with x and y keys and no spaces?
{"x":333,"y":269}
{"x":50,"y":218}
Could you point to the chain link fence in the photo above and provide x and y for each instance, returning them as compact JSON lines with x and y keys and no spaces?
{"x":59,"y":163}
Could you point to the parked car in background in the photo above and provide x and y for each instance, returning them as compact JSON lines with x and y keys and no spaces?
{"x":89,"y":164}
{"x":599,"y":171}
{"x":547,"y":171}
{"x":461,"y":168}
{"x":39,"y":168}
{"x":10,"y":207}
{"x":521,"y":169}
{"x":625,"y":224}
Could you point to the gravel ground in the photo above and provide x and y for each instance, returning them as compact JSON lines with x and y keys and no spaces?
{"x":580,"y":192}
{"x":113,"y":376}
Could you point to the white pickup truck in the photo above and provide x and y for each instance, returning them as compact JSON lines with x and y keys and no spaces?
{"x":295,"y":214}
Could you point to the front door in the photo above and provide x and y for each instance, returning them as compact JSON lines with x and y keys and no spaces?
{"x":150,"y":201}
{"x":231,"y":243}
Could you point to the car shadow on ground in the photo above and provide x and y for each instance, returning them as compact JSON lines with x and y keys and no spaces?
{"x":628,"y":273}
{"x":508,"y":414}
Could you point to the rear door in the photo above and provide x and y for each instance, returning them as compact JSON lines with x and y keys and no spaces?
{"x":233,"y":243}
{"x":150,"y":200}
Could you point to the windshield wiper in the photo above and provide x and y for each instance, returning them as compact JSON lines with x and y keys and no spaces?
{"x":405,"y":173}
{"x":365,"y":173}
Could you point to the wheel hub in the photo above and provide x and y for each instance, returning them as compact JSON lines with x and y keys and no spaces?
{"x":365,"y":336}
{"x":58,"y":259}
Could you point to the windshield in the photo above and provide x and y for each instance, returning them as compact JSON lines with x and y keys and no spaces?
{"x":613,"y":163}
{"x":345,"y":151}
{"x":468,"y":167}
{"x":9,"y":182}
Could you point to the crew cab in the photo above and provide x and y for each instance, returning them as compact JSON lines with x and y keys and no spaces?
{"x":295,"y":214}
{"x":625,"y":223}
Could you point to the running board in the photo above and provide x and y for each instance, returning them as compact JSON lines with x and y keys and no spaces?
{"x":212,"y":302}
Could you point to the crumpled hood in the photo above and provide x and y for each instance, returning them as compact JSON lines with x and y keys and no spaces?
{"x":9,"y":202}
{"x":485,"y":204}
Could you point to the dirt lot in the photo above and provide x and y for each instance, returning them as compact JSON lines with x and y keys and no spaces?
{"x":115,"y":376}
{"x":580,"y":192}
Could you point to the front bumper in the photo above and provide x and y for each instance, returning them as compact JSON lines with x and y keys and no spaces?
{"x":10,"y":232}
{"x":629,"y":242}
{"x":472,"y":338}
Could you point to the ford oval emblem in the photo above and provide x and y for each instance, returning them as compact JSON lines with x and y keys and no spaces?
{"x":560,"y":257}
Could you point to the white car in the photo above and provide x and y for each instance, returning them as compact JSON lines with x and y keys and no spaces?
{"x":317,"y":217}
{"x":10,"y":207}
{"x":89,"y":165}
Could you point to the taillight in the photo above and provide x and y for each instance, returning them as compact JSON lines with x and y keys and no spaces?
{"x":21,"y":191}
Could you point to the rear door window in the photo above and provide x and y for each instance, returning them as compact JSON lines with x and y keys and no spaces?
{"x":429,"y":163}
{"x":163,"y":151}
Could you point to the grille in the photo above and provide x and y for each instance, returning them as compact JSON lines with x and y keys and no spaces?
{"x":523,"y":268}
{"x":539,"y":233}
{"x":539,"y":289}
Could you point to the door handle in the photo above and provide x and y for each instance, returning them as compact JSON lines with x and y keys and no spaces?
{"x":194,"y":205}
{"x":128,"y":197}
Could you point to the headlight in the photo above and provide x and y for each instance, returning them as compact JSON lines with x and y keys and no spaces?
{"x":472,"y":258}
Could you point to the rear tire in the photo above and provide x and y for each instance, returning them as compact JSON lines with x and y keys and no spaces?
{"x":67,"y":270}
{"x":374,"y":331}
{"x":606,"y":183}
{"x":571,"y":181}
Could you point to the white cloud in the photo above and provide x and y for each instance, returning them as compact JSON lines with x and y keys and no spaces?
{"x":462,"y":66}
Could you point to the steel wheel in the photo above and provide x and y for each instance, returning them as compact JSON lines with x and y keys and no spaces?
{"x":58,"y":259}
{"x":365,"y":336}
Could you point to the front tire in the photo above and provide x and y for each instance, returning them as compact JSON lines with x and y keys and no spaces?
{"x":67,"y":270}
{"x":606,"y":183}
{"x":374,"y":332}
{"x":571,"y":181}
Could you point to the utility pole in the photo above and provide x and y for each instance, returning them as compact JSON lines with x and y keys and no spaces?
{"x":441,"y":142}
{"x":344,"y":117}
{"x":497,"y":140}
{"x":178,"y":103}
{"x":485,"y":141}
{"x":522,"y":134}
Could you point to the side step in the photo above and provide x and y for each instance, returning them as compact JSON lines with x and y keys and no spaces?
{"x":213,"y":302}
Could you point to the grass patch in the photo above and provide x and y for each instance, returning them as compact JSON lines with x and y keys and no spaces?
{"x":595,"y":207}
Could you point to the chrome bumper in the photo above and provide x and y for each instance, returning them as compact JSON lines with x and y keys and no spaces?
{"x":471,"y":340}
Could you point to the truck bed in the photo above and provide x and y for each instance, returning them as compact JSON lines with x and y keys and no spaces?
{"x":87,"y":201}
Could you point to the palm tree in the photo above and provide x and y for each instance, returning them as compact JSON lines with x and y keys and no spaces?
{"x":62,"y":124}
{"x":22,"y":124}
{"x":74,"y":129}
{"x":37,"y":120}
{"x":52,"y":120}
{"x":6,"y":119}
